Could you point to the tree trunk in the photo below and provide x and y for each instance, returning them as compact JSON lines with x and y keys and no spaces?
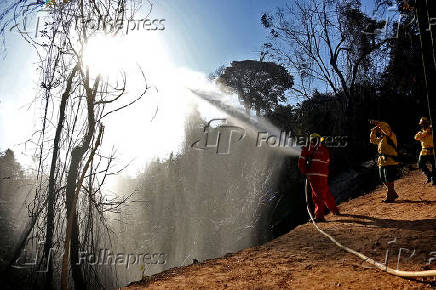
{"x":51,"y":200}
{"x":76,"y":158}
{"x":72,"y":190}
{"x":425,"y":12}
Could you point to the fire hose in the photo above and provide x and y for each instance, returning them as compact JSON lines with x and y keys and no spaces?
{"x":383,"y":267}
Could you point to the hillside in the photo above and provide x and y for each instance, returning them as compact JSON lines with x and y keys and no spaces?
{"x":305,"y":259}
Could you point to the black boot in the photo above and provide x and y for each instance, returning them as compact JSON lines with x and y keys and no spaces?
{"x":320,"y":220}
{"x":391,"y":194}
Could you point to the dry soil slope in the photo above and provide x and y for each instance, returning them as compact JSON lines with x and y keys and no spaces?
{"x":304,"y":259}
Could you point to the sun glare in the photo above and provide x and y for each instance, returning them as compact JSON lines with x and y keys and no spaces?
{"x":108,"y":55}
{"x":104,"y":55}
{"x":159,"y":117}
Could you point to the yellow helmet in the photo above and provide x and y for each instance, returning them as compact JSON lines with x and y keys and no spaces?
{"x":316,"y":135}
{"x":423,"y":121}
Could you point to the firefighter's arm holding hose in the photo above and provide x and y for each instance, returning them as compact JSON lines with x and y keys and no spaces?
{"x":423,"y":133}
{"x":374,"y":137}
{"x":381,"y":127}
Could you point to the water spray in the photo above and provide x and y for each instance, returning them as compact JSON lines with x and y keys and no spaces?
{"x":262,"y":125}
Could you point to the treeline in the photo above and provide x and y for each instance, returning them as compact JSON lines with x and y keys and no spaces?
{"x":368,"y":69}
{"x":14,"y":187}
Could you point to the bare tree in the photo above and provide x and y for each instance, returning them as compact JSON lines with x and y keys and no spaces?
{"x":81,"y":101}
{"x":323,"y":42}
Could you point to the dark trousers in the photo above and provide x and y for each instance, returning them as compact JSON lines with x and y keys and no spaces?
{"x":422,"y":163}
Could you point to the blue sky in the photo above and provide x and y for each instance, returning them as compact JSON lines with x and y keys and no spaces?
{"x":203,"y":35}
{"x":199,"y":35}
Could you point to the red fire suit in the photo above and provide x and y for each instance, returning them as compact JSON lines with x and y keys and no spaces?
{"x":317,"y":175}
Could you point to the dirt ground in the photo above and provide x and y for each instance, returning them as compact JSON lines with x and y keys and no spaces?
{"x":305,"y":259}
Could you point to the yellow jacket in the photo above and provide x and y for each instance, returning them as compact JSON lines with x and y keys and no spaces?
{"x":384,"y":148}
{"x":426,"y":138}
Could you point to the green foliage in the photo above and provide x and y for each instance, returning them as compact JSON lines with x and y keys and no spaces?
{"x":259,"y":85}
{"x":284,"y":116}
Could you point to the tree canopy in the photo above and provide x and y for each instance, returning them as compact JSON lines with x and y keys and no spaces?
{"x":259,"y":85}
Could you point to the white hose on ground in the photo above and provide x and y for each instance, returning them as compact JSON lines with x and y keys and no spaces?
{"x":383,"y":267}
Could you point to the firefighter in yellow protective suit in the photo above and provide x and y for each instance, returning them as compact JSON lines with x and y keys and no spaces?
{"x":425,"y":135}
{"x":386,"y":141}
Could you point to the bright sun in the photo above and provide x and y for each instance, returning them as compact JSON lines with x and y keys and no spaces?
{"x":108,"y":55}
{"x":158,"y":119}
{"x":104,"y":55}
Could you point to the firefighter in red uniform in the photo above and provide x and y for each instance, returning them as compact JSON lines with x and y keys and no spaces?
{"x":314,"y":162}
